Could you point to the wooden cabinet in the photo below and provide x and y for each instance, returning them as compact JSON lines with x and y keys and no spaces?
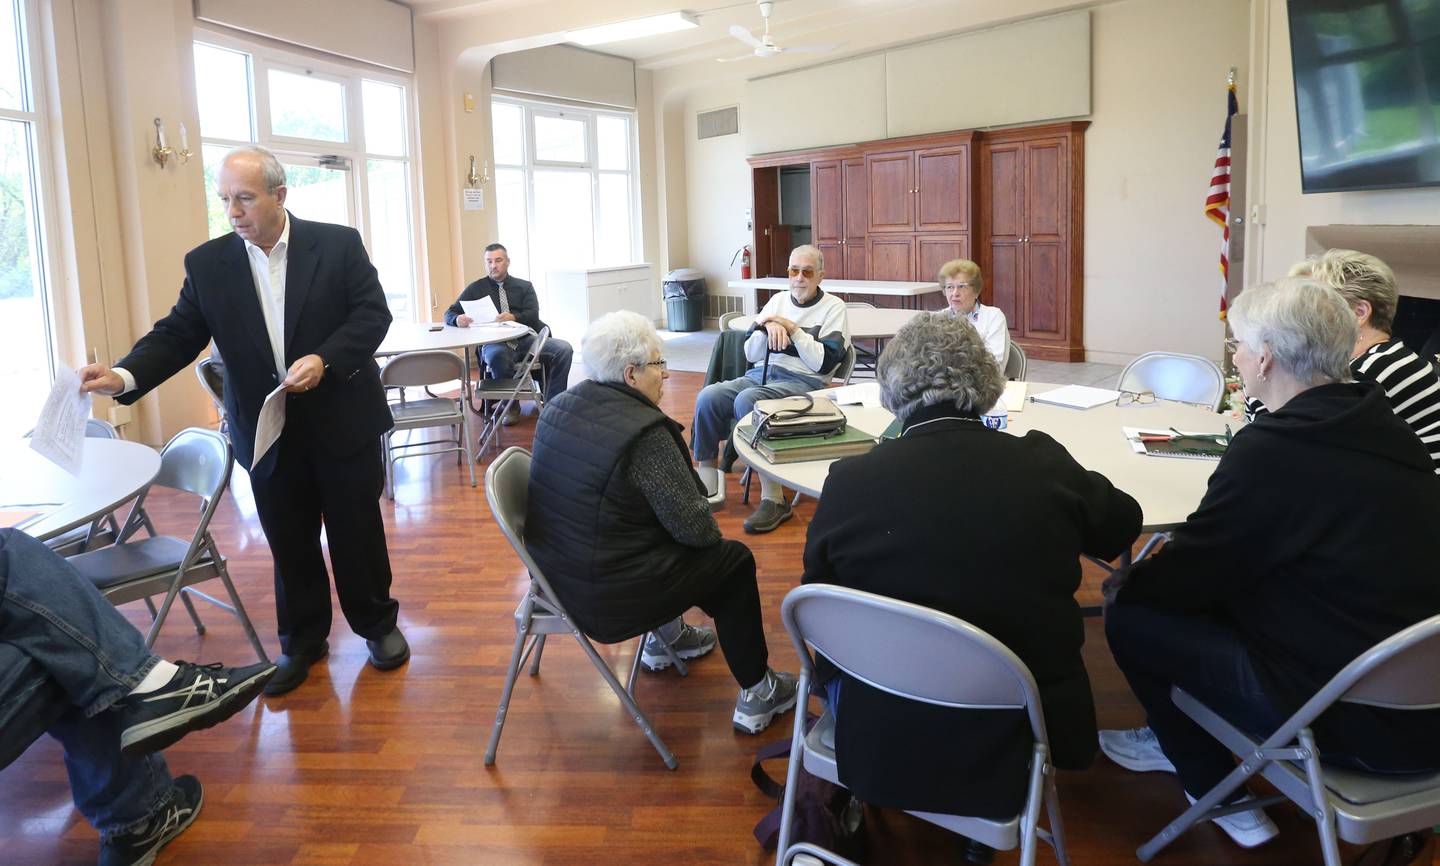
{"x":921,"y":190}
{"x":1031,"y":213}
{"x":838,"y":212}
{"x":914,"y":258}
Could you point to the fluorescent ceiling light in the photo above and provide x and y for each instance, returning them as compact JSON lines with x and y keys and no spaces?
{"x":633,"y":29}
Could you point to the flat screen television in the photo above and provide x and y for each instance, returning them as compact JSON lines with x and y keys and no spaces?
{"x":1367,"y":93}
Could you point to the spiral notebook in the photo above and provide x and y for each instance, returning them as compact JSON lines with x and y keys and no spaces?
{"x":1177,"y":443}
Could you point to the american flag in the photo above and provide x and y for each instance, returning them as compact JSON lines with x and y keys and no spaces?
{"x":1217,"y":203}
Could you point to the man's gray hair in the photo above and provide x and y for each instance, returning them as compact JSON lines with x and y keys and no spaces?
{"x":1307,"y":326}
{"x":274,"y":172}
{"x":938,"y":359}
{"x":615,"y":341}
{"x":814,"y":254}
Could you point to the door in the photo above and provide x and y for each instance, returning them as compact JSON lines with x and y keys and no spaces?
{"x":891,"y":258}
{"x":891,"y":202}
{"x":766,"y":200}
{"x":827,"y":214}
{"x":932,"y":251}
{"x":856,"y":219}
{"x":1004,"y":279}
{"x":1046,"y":188}
{"x":942,"y":189}
{"x":319,"y":188}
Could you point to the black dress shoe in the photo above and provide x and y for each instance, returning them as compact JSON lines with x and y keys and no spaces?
{"x":291,"y":670}
{"x":389,"y":652}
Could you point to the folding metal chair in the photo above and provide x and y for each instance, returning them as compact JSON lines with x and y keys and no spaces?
{"x":1399,"y":673}
{"x":211,"y":373}
{"x":102,"y":530}
{"x":504,"y":393}
{"x":421,"y":369}
{"x":1173,"y":376}
{"x":198,"y":462}
{"x":865,"y":359}
{"x":507,"y":490}
{"x":1015,"y":363}
{"x":924,"y":655}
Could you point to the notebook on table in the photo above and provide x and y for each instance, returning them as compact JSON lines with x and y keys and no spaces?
{"x":846,"y":443}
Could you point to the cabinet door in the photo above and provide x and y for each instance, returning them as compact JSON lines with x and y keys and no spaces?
{"x":891,"y":204}
{"x":942,"y":189}
{"x":827,"y":203}
{"x":932,"y":251}
{"x":1004,"y":166}
{"x":891,"y":258}
{"x":1045,"y":243}
{"x":855,"y":260}
{"x":835,"y":261}
{"x":856,"y":220}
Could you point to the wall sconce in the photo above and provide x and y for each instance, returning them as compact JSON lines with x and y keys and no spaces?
{"x":474,"y":179}
{"x":163,"y":152}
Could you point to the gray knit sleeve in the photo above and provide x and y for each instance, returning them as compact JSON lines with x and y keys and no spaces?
{"x":661,"y":473}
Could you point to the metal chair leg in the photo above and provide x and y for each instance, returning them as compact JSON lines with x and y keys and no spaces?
{"x":629,"y":702}
{"x":522,"y":631}
{"x":190,"y":609}
{"x":537,"y":649}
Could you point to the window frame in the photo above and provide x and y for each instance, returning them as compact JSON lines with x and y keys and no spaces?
{"x":263,"y":57}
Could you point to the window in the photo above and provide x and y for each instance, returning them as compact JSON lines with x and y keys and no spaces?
{"x":565,"y":190}
{"x":27,"y":350}
{"x":343,"y":135}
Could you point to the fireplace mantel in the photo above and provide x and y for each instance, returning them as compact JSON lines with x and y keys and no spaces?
{"x":1413,"y":252}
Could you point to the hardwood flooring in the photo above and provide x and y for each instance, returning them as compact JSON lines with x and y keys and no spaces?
{"x":359,"y":767}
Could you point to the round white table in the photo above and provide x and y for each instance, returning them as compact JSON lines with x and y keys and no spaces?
{"x":114,"y":471}
{"x":866,"y":323}
{"x":1167,"y":488}
{"x":418,"y":337}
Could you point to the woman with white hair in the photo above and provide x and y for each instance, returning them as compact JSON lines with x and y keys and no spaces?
{"x":980,"y":524}
{"x":618,"y":522}
{"x":1315,"y":540}
{"x":1368,"y":285}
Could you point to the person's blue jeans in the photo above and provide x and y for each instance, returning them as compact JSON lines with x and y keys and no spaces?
{"x":555,"y":359}
{"x":722,"y":404}
{"x":1157,"y":649}
{"x":57,"y":618}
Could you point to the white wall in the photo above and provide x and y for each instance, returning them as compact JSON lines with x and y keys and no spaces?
{"x":717,"y":190}
{"x":1280,"y":241}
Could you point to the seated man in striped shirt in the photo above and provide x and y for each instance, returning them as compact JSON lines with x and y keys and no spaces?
{"x":1410,"y":383}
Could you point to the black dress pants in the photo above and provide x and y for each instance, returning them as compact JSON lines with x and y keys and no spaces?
{"x":310,"y":486}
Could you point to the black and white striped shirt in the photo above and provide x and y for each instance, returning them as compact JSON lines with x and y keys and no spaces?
{"x":1407,"y":380}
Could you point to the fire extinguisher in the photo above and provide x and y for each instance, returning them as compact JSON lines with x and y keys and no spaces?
{"x":743,"y":254}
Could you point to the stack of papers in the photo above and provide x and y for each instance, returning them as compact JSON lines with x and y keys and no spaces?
{"x":1077,"y":396}
{"x":481,"y":311}
{"x":59,"y":434}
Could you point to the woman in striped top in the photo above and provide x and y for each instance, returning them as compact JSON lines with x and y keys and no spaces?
{"x":1368,"y":285}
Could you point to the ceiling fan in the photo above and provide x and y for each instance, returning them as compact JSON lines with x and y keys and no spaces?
{"x":765,"y":46}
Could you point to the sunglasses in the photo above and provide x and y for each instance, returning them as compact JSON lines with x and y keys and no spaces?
{"x":807,"y":271}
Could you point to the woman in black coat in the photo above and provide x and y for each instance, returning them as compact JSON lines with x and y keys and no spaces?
{"x":980,"y":524}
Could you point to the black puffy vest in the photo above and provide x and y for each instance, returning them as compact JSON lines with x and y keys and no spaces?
{"x":589,"y":529}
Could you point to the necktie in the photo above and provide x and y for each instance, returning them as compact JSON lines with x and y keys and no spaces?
{"x":504,"y":299}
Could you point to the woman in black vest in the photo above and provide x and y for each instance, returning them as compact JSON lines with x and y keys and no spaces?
{"x":618,"y":522}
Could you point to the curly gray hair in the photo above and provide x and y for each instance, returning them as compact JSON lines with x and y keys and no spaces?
{"x":1307,"y":326}
{"x":938,"y":359}
{"x":615,"y":341}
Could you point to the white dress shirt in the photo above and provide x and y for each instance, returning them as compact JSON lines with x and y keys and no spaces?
{"x":267,"y":273}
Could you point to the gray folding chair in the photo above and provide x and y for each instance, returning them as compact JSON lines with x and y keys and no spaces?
{"x":806,"y":854}
{"x":211,"y":373}
{"x":102,"y":530}
{"x":865,"y":359}
{"x":1399,"y":673}
{"x":727,"y":318}
{"x":1173,"y":376}
{"x":507,"y":490}
{"x":1015,"y":363}
{"x":504,"y":393}
{"x":416,"y":370}
{"x":924,"y":655}
{"x":198,"y":462}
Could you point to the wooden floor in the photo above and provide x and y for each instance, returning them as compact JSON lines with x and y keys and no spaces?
{"x":363,"y":767}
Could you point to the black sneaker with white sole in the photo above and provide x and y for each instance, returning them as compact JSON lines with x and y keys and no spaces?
{"x":139,"y":848}
{"x":198,"y":696}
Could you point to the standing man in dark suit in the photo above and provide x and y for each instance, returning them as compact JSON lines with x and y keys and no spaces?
{"x":296,"y":304}
{"x":515,"y":299}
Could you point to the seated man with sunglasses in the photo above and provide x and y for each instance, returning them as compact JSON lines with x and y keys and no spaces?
{"x":798,"y":341}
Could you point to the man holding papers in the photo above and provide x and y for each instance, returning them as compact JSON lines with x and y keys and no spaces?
{"x":506,"y":298}
{"x":293,"y":306}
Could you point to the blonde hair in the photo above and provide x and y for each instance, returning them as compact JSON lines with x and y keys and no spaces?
{"x":1357,"y":277}
{"x":962,"y":267}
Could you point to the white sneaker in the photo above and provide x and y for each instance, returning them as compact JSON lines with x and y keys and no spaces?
{"x":1135,"y":749}
{"x":757,"y":707}
{"x":1248,"y":829}
{"x":714,"y":481}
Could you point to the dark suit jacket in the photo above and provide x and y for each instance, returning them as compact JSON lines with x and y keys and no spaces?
{"x":334,"y":308}
{"x":987,"y":527}
{"x":524,"y":305}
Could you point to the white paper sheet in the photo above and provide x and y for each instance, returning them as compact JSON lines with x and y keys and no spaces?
{"x":481,"y":312}
{"x":271,"y":422}
{"x":60,"y":433}
{"x":863,"y":394}
{"x":1077,"y":396}
{"x":502,"y":330}
{"x":1014,"y":396}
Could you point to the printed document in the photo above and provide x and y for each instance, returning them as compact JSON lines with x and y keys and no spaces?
{"x":1077,"y":396}
{"x":272,"y":421}
{"x":60,"y":433}
{"x":481,"y":312}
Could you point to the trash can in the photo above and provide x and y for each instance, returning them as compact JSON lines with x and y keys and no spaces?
{"x":684,"y":294}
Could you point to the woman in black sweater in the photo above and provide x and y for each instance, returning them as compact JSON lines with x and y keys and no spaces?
{"x":1315,"y":540}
